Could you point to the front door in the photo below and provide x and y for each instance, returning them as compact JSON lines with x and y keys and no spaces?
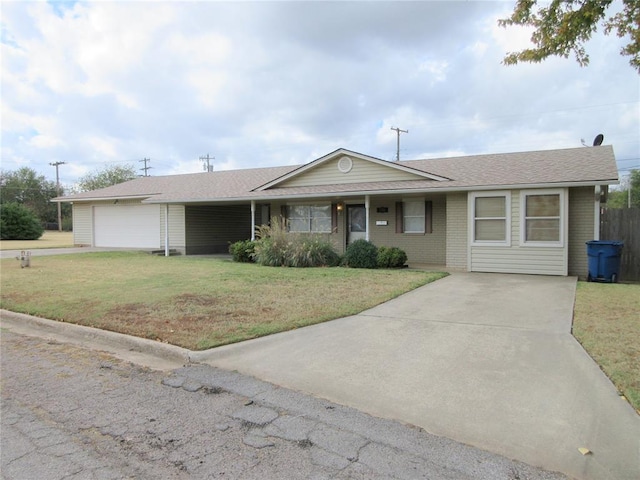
{"x":357,"y":223}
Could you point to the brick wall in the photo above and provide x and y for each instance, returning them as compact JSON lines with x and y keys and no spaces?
{"x":429,"y":248}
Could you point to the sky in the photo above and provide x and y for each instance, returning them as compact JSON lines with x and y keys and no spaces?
{"x":259,"y":84}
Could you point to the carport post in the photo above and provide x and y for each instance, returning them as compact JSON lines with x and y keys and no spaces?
{"x":166,"y":230}
{"x":253,"y":220}
{"x":596,"y":212}
{"x":366,"y":216}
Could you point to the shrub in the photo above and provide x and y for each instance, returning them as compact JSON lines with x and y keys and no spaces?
{"x":17,"y":222}
{"x":361,"y":254}
{"x":242,"y":251}
{"x":276,"y":247}
{"x":272,"y":245}
{"x":312,"y":251}
{"x":391,"y":257}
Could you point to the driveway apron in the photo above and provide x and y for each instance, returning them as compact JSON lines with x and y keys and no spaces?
{"x":484,"y":359}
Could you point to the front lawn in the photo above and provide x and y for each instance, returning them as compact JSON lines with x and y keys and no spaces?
{"x":49,"y":239}
{"x":196,"y":303}
{"x":607,"y":324}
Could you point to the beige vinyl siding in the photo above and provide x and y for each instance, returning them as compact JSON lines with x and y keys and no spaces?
{"x":543,"y":261}
{"x":421,"y":248}
{"x":210,"y":229}
{"x":456,"y":236}
{"x":516,"y":258}
{"x":581,"y":228}
{"x":82,"y":224}
{"x":362,"y":171}
{"x":176,"y":227}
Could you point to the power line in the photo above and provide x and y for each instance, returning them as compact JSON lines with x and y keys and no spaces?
{"x":145,"y":168}
{"x":398,"y":131}
{"x":205,"y":163}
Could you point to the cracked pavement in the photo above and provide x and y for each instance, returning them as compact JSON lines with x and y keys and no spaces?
{"x":72,"y":413}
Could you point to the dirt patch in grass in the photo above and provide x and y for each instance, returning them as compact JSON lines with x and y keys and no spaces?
{"x":607,"y":324}
{"x":193,"y":302}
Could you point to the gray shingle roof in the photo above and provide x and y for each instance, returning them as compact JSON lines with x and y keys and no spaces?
{"x":579,"y":166}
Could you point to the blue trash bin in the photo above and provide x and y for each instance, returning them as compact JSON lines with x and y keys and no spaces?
{"x":604,"y":260}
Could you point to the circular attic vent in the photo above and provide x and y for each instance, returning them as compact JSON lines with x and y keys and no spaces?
{"x":345,"y":164}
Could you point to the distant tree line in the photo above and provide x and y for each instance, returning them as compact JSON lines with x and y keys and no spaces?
{"x":25,"y":199}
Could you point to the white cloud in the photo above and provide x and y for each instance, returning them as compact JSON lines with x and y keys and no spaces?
{"x":509,"y":39}
{"x":102,"y":147}
{"x":437,"y":70}
{"x":276,"y":83}
{"x":45,"y":141}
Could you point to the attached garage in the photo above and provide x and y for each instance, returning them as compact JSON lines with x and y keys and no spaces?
{"x":127,"y":226}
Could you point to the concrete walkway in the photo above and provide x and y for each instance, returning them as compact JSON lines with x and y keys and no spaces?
{"x":484,"y":359}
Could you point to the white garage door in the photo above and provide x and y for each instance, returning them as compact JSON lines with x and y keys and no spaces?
{"x":128,"y":226}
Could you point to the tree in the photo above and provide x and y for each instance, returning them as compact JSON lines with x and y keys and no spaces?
{"x":564,"y":26}
{"x":18,"y":222}
{"x":111,"y":175}
{"x":26,"y":187}
{"x":620,"y":198}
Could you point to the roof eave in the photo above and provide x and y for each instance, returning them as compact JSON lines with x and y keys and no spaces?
{"x":396,"y":191}
{"x":97,"y":199}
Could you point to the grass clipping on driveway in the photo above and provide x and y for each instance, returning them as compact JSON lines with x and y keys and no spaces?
{"x":607,"y":324}
{"x":196,"y":303}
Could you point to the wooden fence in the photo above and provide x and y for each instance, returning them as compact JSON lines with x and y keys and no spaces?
{"x":623,"y":224}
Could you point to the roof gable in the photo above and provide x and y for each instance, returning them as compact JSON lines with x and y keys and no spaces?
{"x":347,"y":167}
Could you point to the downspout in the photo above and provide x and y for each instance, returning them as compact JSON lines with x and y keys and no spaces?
{"x":596,"y":213}
{"x":253,"y":220}
{"x":366,"y":216}
{"x":166,"y":230}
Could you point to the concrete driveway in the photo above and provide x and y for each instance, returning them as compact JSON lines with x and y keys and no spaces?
{"x":484,"y":359}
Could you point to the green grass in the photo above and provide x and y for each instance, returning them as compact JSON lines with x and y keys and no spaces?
{"x":200,"y":303}
{"x":49,"y":239}
{"x":193,"y":302}
{"x":607,"y":324}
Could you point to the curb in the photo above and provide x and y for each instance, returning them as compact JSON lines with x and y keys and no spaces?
{"x":112,"y":342}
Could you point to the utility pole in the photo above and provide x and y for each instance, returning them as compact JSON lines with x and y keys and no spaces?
{"x":398,"y":131}
{"x":207,"y":167}
{"x":145,"y":168}
{"x":57,"y":164}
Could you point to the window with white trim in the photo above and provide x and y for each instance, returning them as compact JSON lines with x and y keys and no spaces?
{"x":542,"y":217}
{"x":413,"y":216}
{"x":309,"y":218}
{"x":490,"y":214}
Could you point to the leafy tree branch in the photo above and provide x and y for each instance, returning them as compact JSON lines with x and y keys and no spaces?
{"x":564,"y":26}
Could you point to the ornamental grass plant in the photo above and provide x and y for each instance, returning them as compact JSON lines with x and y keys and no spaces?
{"x":277,"y":247}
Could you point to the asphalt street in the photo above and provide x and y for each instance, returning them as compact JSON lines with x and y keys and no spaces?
{"x":74,"y":413}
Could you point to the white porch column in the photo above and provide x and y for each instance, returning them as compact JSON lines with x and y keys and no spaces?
{"x":253,"y":219}
{"x":166,"y":230}
{"x":366,"y":216}
{"x":596,"y":212}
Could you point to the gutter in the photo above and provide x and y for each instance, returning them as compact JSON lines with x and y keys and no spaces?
{"x":383,"y":192}
{"x":102,"y":199}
